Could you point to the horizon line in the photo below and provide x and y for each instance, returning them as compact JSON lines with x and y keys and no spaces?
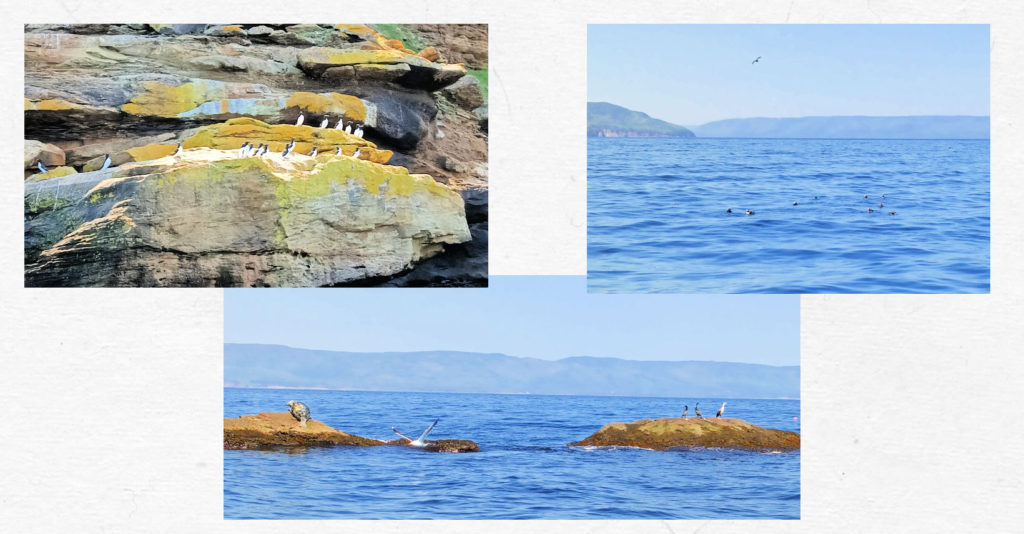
{"x":311,"y":388}
{"x":504,"y":354}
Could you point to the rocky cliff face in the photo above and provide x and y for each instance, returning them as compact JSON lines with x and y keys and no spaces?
{"x":209,"y":216}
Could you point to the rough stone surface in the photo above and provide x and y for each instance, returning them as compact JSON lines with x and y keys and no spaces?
{"x":465,"y":93}
{"x":668,"y":433}
{"x":209,"y":218}
{"x":280,"y":431}
{"x":50,"y":155}
{"x":134,"y":91}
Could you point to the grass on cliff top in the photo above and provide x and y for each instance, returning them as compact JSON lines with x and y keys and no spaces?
{"x":411,"y":40}
{"x":481,"y":76}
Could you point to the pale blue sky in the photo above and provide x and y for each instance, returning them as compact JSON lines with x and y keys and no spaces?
{"x":547,"y":317}
{"x":691,"y":74}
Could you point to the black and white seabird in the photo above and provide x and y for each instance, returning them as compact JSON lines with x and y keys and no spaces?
{"x":337,"y":150}
{"x":696,"y":410}
{"x":313,"y":154}
{"x":298,"y":122}
{"x":794,"y":203}
{"x":720,"y":411}
{"x":865,"y":196}
{"x":348,"y":128}
{"x":106,"y":162}
{"x":756,"y":60}
{"x":340,"y":125}
{"x":324,"y":123}
{"x":750,"y":212}
{"x":242,"y":150}
{"x":420,"y":441}
{"x":359,"y":132}
{"x":870,"y":210}
{"x":299,"y":411}
{"x":728,"y":210}
{"x":177,"y":150}
{"x":815,"y":197}
{"x":892,"y":213}
{"x":40,"y":166}
{"x":287,"y":150}
{"x":685,"y":409}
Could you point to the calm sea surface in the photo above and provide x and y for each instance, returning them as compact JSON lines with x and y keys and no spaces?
{"x":657,"y":218}
{"x":524,"y":469}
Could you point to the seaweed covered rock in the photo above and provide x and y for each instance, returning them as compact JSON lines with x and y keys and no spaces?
{"x":208,"y":217}
{"x":668,"y":433}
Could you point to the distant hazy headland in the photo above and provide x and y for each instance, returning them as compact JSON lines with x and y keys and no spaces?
{"x":247,"y":365}
{"x":609,"y":120}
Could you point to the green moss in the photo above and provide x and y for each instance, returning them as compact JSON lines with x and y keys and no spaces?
{"x":411,"y":40}
{"x":481,"y":76}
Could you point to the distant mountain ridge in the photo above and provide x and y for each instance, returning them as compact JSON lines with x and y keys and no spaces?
{"x":609,"y":120}
{"x":253,"y":365}
{"x":852,"y":127}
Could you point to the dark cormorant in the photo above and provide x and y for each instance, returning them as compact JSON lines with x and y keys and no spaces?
{"x":756,"y":60}
{"x":685,"y":409}
{"x":696,"y":410}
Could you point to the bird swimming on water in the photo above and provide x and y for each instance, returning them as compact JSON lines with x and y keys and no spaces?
{"x":750,"y":212}
{"x":728,"y":210}
{"x":40,"y":166}
{"x":299,"y":411}
{"x":720,"y":412}
{"x":298,"y":122}
{"x":870,"y":210}
{"x":794,"y":203}
{"x":106,"y":162}
{"x":696,"y":410}
{"x":892,"y":213}
{"x":685,"y":409}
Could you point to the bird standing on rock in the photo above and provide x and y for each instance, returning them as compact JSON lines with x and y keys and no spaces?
{"x":359,"y":132}
{"x":324,"y":123}
{"x":106,"y":162}
{"x":40,"y":166}
{"x":720,"y":412}
{"x":341,"y":124}
{"x":299,"y":411}
{"x":685,"y":409}
{"x":313,"y":154}
{"x":696,"y":410}
{"x":298,"y":122}
{"x":356,"y":154}
{"x":177,"y":150}
{"x":348,"y":129}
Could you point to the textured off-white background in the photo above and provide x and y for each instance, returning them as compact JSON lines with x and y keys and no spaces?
{"x":111,"y":400}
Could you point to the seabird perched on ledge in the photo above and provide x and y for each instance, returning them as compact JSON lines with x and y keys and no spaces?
{"x":287,"y":150}
{"x":324,"y":123}
{"x":242,"y":149}
{"x":40,"y":166}
{"x":696,"y":410}
{"x":359,"y":132}
{"x":299,"y":411}
{"x":356,"y":155}
{"x":337,"y":150}
{"x":177,"y":150}
{"x":298,"y":122}
{"x":313,"y":154}
{"x":348,"y":129}
{"x":106,"y":162}
{"x":685,"y":409}
{"x":341,"y":124}
{"x":720,"y":411}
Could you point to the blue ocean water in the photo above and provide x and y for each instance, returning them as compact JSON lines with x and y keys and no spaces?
{"x":524,"y":469}
{"x":657,"y":218}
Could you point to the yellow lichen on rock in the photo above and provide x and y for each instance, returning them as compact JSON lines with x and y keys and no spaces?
{"x":150,"y":152}
{"x":339,"y":57}
{"x":375,"y":178}
{"x":50,"y":104}
{"x":350,"y":106}
{"x":168,"y":101}
{"x":236,"y":132}
{"x":56,"y":172}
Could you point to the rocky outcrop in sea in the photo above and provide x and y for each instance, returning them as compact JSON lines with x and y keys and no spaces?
{"x":671,"y":433}
{"x":405,"y":203}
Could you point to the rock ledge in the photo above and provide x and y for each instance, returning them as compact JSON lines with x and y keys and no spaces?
{"x":668,"y":433}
